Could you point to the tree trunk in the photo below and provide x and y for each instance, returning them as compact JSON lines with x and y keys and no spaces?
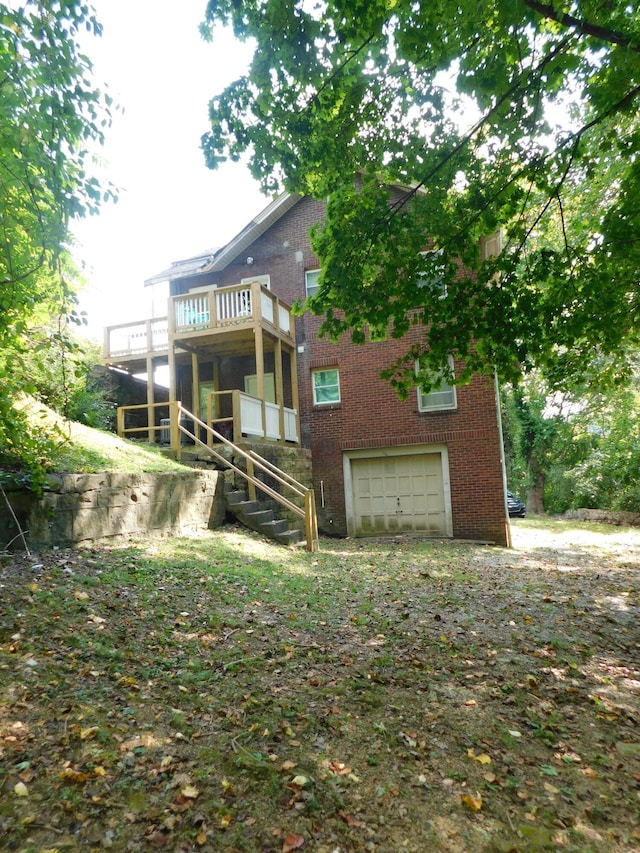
{"x":535,"y":497}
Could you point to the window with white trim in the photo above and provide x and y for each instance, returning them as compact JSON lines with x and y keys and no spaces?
{"x":326,"y":386}
{"x":441,"y":397}
{"x":433,"y":277}
{"x":311,"y":282}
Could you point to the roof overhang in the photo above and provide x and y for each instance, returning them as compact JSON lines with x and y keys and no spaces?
{"x":181,"y":269}
{"x":215,"y":260}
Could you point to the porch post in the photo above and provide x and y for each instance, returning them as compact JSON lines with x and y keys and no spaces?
{"x":295,"y":395}
{"x":151,"y":420}
{"x":259,"y":343}
{"x":195,"y":390}
{"x":277,"y":358}
{"x":173,"y":410}
{"x":216,"y":403}
{"x":176,"y":435}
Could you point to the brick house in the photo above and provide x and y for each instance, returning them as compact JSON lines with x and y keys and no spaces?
{"x":429,"y":465}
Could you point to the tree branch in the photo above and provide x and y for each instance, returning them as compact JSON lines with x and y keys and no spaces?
{"x":531,"y":74}
{"x":582,"y":27}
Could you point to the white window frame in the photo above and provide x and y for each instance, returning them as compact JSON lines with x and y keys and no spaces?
{"x":441,"y":398}
{"x":262,"y":280}
{"x":311,"y":289}
{"x":317,"y":372}
{"x":433,"y":283}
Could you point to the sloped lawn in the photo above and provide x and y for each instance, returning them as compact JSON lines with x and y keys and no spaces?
{"x":225,"y":694}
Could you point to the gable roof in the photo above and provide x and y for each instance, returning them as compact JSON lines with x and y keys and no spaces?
{"x":188,"y":266}
{"x":213,"y":260}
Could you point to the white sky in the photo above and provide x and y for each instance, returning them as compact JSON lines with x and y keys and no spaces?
{"x":171,"y":206}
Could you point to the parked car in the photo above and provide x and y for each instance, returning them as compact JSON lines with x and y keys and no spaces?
{"x":515,"y":506}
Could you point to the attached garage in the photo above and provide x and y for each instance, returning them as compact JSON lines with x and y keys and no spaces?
{"x":398,"y":490}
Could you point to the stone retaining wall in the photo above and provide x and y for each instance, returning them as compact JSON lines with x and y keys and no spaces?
{"x":81,"y":508}
{"x":605,"y":516}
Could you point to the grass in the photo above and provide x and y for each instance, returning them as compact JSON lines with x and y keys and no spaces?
{"x":225,"y":694}
{"x":83,"y":449}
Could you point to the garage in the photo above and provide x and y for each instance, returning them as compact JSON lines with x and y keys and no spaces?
{"x":400,"y":491}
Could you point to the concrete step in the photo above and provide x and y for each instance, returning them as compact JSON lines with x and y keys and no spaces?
{"x":247,"y":507}
{"x":274,"y":527}
{"x":261,"y":516}
{"x":257,"y":520}
{"x":234,"y":497}
{"x":290,"y":537}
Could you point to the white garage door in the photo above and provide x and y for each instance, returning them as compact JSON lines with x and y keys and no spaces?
{"x":403,"y":493}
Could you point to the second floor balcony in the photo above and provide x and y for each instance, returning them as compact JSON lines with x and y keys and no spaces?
{"x":205,"y":313}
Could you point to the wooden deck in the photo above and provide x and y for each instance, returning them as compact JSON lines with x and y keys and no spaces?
{"x":201,"y":315}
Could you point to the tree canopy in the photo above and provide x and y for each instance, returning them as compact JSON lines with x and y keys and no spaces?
{"x":572,"y":450}
{"x":51,"y":115}
{"x":509,"y":117}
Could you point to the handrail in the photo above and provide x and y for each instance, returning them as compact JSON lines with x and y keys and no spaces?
{"x":151,"y":428}
{"x":254,"y":459}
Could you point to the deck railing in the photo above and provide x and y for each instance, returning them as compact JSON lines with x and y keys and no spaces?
{"x":231,"y":413}
{"x":147,"y":422}
{"x":137,"y":338}
{"x":239,"y":414}
{"x":237,"y":305}
{"x":196,"y":313}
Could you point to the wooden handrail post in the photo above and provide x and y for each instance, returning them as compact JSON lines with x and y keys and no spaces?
{"x":176,"y":442}
{"x":213,"y":310}
{"x":235,"y":408}
{"x":311,"y":521}
{"x":120,"y":421}
{"x":251,"y":473}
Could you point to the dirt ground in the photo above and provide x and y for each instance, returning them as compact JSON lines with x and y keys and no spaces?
{"x":224,"y":694}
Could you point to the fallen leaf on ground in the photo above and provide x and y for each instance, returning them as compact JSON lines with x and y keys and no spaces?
{"x":471,"y":802}
{"x":292,"y":842}
{"x":190,"y":792}
{"x":349,"y":819}
{"x":483,"y":758}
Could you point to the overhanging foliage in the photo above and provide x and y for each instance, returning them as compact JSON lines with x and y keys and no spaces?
{"x":51,"y":115}
{"x":510,"y":115}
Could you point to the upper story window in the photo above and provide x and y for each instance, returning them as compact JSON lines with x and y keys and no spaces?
{"x":326,"y":386}
{"x":311,"y":282}
{"x":441,"y":397}
{"x":433,"y":276}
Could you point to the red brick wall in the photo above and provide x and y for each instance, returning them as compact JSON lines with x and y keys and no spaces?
{"x":370,"y":414}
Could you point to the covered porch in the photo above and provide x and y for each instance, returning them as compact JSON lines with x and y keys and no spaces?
{"x":229,"y":357}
